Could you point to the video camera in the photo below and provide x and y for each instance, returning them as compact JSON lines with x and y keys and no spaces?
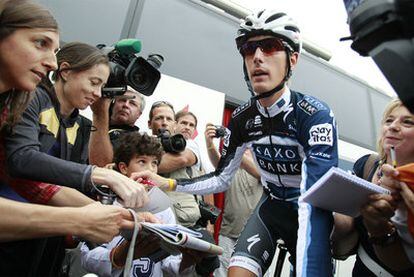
{"x":129,"y":69}
{"x":384,"y":30}
{"x":171,"y":144}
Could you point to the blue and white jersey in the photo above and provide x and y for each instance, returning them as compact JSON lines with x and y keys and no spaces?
{"x":294,"y":142}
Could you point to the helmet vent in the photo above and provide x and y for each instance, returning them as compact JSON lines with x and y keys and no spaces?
{"x":292,"y":28}
{"x":248,"y":23}
{"x":260,"y":14}
{"x":274,"y":17}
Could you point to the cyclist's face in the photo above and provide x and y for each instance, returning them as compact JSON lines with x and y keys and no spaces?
{"x":265,"y":70}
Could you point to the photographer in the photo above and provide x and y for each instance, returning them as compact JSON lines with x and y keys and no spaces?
{"x":187,"y":125}
{"x":180,"y":162}
{"x":113,"y":117}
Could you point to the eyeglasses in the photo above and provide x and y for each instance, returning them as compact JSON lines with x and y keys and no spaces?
{"x":268,"y":46}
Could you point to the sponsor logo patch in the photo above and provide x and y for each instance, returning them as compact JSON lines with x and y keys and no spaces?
{"x":282,"y":159}
{"x":240,"y":109}
{"x":253,"y":240}
{"x":307,"y":107}
{"x":321,"y":134}
{"x":254,"y":123}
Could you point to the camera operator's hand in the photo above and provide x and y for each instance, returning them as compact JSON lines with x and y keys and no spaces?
{"x":161,"y":182}
{"x":101,"y":106}
{"x":101,"y":223}
{"x":132,"y":194}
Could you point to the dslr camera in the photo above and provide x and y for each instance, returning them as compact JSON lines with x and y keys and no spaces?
{"x":129,"y":69}
{"x":171,"y":144}
{"x":208,"y":212}
{"x":220,"y":131}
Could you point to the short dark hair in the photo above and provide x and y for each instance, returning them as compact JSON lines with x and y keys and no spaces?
{"x":158,"y":104}
{"x":184,"y":113}
{"x":135,"y":144}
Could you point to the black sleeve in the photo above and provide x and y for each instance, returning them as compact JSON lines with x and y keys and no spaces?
{"x":25,"y":160}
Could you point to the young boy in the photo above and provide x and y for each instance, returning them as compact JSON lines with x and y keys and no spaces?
{"x":136,"y":152}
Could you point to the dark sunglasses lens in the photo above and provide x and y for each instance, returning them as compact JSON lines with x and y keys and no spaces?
{"x":269,"y":46}
{"x":248,"y":48}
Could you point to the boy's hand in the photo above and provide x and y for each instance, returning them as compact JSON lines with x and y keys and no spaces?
{"x":146,"y":245}
{"x":190,"y":257}
{"x":147,"y":217}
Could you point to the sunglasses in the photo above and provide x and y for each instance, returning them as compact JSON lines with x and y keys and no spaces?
{"x":268,"y":46}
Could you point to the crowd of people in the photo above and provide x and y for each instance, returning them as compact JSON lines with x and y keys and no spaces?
{"x":276,"y":146}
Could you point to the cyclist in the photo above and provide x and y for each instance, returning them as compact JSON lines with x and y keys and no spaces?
{"x":294,"y":141}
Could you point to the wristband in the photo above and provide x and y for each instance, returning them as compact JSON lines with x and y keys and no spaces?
{"x":170,"y":184}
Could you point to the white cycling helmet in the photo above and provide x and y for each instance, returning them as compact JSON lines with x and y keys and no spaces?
{"x":268,"y":22}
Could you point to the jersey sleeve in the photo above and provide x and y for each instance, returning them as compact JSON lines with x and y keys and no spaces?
{"x":318,"y":136}
{"x":230,"y":160}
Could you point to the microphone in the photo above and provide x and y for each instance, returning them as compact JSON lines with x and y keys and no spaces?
{"x":129,"y":46}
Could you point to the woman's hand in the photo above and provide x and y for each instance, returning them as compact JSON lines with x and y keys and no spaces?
{"x":377,"y":214}
{"x":101,"y":223}
{"x":388,"y":180}
{"x":132,"y":194}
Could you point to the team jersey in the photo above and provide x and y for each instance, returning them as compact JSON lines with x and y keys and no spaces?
{"x":294,"y":142}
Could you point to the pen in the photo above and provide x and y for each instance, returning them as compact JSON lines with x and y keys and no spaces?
{"x":393,"y":157}
{"x":148,"y":183}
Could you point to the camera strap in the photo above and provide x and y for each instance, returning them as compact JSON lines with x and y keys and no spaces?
{"x":130,"y":256}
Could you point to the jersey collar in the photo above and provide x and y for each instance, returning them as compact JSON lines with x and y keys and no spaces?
{"x":276,"y":107}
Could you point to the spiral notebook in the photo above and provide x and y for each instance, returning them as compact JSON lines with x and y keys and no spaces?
{"x":342,"y":192}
